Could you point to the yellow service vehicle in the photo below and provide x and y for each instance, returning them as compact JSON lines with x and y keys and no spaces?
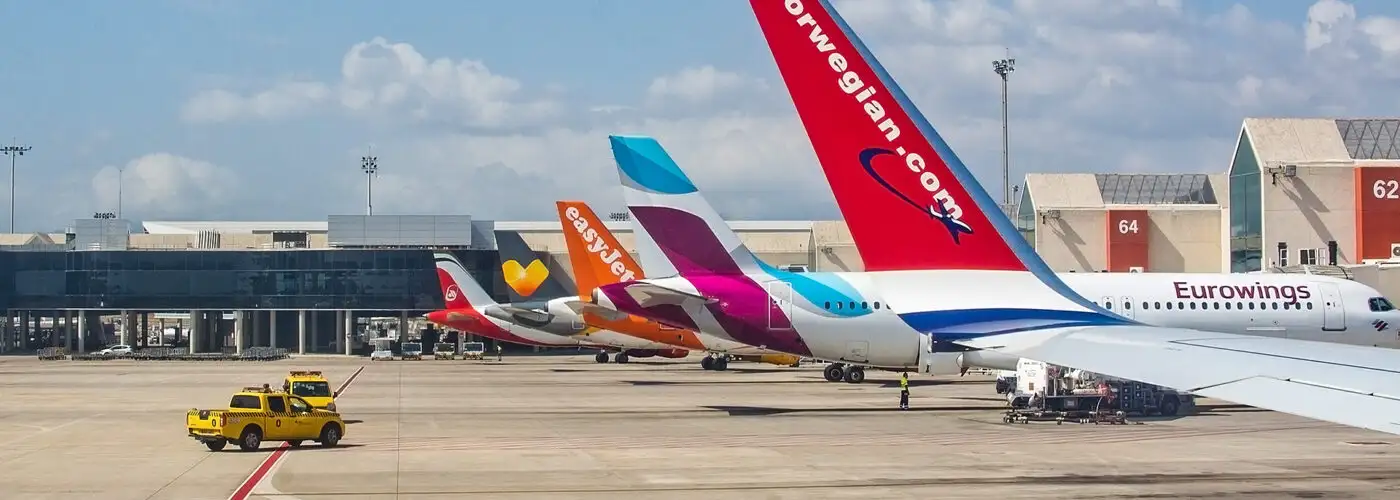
{"x":311,"y":386}
{"x":256,"y":414}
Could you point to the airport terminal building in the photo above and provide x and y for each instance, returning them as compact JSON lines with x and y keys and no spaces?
{"x":1315,"y":192}
{"x":278,"y":293}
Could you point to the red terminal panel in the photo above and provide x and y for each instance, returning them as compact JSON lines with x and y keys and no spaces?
{"x":1127,"y":240}
{"x":1377,"y":211}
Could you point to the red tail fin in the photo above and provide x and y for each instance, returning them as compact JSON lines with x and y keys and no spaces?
{"x":909,"y":201}
{"x":452,"y":294}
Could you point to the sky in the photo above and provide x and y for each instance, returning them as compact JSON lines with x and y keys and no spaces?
{"x":240,"y":110}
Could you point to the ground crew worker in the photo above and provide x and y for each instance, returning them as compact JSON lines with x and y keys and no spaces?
{"x":904,"y":391}
{"x":498,"y":351}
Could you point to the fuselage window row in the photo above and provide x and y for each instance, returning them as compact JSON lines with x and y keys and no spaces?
{"x":863,"y":305}
{"x":1239,"y":305}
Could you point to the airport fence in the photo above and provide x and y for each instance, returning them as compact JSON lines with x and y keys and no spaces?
{"x":53,"y":353}
{"x":183,"y":354}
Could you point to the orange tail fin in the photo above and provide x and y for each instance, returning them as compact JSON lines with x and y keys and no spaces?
{"x":596,"y":256}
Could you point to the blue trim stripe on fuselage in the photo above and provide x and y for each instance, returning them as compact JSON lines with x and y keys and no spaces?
{"x":966,"y":324}
{"x":821,"y":290}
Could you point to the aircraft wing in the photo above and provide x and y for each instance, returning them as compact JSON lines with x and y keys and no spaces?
{"x":650,"y":295}
{"x":1346,"y":384}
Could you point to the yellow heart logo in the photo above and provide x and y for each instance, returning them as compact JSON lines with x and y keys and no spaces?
{"x":524,"y":280}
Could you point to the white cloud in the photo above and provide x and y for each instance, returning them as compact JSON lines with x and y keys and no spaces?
{"x":1100,"y":85}
{"x":282,"y":100}
{"x":697,"y":84}
{"x":1329,"y":21}
{"x":381,"y":77}
{"x":163,"y":184}
{"x":1384,"y":34}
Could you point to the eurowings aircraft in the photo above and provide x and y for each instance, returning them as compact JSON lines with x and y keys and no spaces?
{"x":467,"y":302}
{"x":598,"y":259}
{"x":989,"y":292}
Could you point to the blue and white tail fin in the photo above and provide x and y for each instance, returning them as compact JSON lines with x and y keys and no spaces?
{"x":671,"y":212}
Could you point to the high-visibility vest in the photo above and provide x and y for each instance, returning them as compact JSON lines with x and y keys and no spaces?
{"x":903,"y":383}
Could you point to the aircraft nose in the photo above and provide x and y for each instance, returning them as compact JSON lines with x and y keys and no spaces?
{"x":436,"y":316}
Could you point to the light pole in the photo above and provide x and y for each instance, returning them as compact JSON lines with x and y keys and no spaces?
{"x":14,"y":150}
{"x":120,"y":173}
{"x":1003,"y":68}
{"x":370,"y":165}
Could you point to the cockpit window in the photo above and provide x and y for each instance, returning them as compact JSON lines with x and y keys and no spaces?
{"x":1380,"y":304}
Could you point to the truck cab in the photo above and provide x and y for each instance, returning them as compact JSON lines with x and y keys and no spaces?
{"x":311,"y":386}
{"x":255,"y":415}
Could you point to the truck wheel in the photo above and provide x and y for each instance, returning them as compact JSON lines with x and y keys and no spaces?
{"x":295,"y":443}
{"x":251,"y":438}
{"x":216,"y":445}
{"x":330,"y":435}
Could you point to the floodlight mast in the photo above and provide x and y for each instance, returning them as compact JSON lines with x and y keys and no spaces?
{"x":369,"y":164}
{"x":1003,"y":68}
{"x":14,"y":150}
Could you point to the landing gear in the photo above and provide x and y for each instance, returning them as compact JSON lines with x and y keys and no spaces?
{"x":715,"y":362}
{"x":834,"y":372}
{"x":854,"y":374}
{"x":621,"y":358}
{"x":602,"y":357}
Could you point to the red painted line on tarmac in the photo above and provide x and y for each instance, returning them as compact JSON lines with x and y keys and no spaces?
{"x":260,"y":473}
{"x":348,"y":381}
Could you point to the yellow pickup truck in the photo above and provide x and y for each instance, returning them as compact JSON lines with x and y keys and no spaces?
{"x":256,"y":414}
{"x":311,"y":386}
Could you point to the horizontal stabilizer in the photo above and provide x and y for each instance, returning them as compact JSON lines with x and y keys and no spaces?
{"x":580,"y":307}
{"x":651,"y":295}
{"x":509,"y":313}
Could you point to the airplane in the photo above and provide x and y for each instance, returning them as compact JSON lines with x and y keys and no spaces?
{"x":1289,"y":306}
{"x":986,"y":290}
{"x":463,"y":296}
{"x":598,"y":259}
{"x":554,"y":314}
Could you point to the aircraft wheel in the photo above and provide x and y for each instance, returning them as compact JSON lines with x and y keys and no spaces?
{"x":833,"y":372}
{"x":620,"y":358}
{"x":721,"y":363}
{"x":708,"y":362}
{"x":602,"y":357}
{"x":855,"y":374}
{"x":1171,"y":405}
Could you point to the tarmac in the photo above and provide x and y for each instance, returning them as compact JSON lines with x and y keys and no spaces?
{"x":566,"y":427}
